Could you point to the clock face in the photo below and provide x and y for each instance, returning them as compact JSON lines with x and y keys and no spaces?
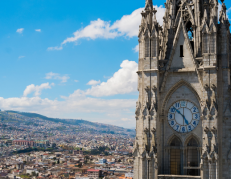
{"x":183,"y":116}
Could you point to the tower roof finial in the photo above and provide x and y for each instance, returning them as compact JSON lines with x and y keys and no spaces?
{"x":222,"y":1}
{"x":148,"y":4}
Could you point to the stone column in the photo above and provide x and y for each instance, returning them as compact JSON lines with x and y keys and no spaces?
{"x":210,"y":169}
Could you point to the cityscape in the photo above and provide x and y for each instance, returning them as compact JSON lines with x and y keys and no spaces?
{"x":37,"y":147}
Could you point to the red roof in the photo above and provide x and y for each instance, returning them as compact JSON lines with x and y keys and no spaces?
{"x":93,"y":170}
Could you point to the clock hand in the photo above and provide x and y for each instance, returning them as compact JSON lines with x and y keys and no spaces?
{"x":177,"y":111}
{"x":186,"y":121}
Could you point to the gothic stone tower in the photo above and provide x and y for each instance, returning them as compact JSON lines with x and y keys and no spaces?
{"x":183,"y":114}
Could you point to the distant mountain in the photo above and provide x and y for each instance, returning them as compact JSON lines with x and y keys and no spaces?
{"x":102,"y":128}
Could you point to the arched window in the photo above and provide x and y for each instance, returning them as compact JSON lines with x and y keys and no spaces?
{"x":154,"y":47}
{"x":190,"y":34}
{"x":147,"y":47}
{"x":192,"y":158}
{"x":141,"y":49}
{"x":205,"y":43}
{"x":212,"y":43}
{"x":175,"y":156}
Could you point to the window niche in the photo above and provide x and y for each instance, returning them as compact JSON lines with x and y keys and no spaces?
{"x":192,"y":158}
{"x":190,"y":33}
{"x":175,"y":156}
{"x":181,"y":51}
{"x":147,"y":47}
{"x":212,"y":43}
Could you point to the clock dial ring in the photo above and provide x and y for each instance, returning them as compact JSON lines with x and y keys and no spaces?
{"x":183,"y":116}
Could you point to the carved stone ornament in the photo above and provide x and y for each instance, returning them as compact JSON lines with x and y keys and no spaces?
{"x":145,"y":139}
{"x":209,"y":108}
{"x":146,"y":100}
{"x":203,"y":110}
{"x":154,"y":147}
{"x":138,"y":106}
{"x":206,"y":86}
{"x":153,"y":108}
{"x":207,"y":143}
{"x":214,"y":97}
{"x":201,"y":63}
{"x":206,"y":129}
{"x":211,"y":144}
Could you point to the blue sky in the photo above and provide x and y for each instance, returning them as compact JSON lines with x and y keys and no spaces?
{"x":71,"y":59}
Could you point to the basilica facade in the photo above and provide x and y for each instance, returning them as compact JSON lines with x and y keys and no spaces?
{"x":183,"y":114}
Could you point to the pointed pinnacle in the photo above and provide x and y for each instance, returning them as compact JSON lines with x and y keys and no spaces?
{"x":154,"y":10}
{"x":222,"y":1}
{"x":148,"y":4}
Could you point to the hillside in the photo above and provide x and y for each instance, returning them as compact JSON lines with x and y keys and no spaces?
{"x":30,"y":118}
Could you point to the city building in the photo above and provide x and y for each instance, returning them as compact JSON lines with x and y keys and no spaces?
{"x":183,"y":113}
{"x":102,"y":161}
{"x":24,"y":142}
{"x":92,"y":173}
{"x":42,"y":143}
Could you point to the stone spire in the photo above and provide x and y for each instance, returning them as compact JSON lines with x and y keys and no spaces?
{"x":154,"y":16}
{"x":148,"y":5}
{"x":223,"y":16}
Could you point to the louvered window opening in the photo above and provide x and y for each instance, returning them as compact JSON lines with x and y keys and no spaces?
{"x":212,"y":43}
{"x":205,"y":43}
{"x":175,"y":162}
{"x":192,"y":158}
{"x":175,"y":157}
{"x":154,"y":48}
{"x":147,"y":47}
{"x":141,"y":50}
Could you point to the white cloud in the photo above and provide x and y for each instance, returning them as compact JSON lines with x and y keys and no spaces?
{"x":96,"y":29}
{"x":20,"y":31}
{"x":76,"y":81}
{"x":21,"y":57}
{"x":38,"y":30}
{"x":79,"y":105}
{"x":36,"y":89}
{"x":57,"y":76}
{"x":122,"y":82}
{"x":54,"y":48}
{"x":127,"y":26}
{"x":125,"y":119}
{"x":93,"y":82}
{"x":76,"y":106}
{"x":228,"y":12}
{"x":136,"y":48}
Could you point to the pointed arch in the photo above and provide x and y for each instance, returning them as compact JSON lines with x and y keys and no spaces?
{"x":178,"y":16}
{"x":181,"y":27}
{"x":212,"y":28}
{"x":192,"y":136}
{"x":173,"y":137}
{"x":175,"y":155}
{"x":174,"y":88}
{"x":192,"y":155}
{"x":205,"y":28}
